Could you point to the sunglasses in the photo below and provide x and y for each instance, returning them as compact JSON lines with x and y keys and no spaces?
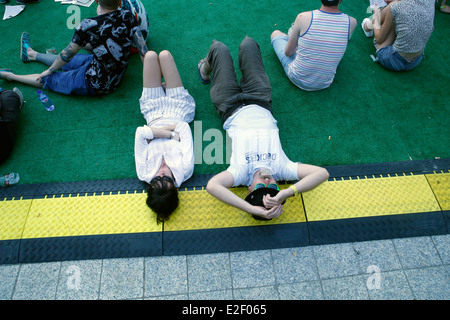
{"x":163,"y":178}
{"x":271,"y":186}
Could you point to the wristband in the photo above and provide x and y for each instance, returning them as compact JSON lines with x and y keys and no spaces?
{"x":295,"y":190}
{"x":172,"y":134}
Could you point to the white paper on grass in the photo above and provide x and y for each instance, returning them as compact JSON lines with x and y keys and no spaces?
{"x":12,"y":11}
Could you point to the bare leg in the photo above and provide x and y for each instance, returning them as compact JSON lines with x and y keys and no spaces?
{"x":152,"y":70}
{"x":29,"y":79}
{"x":169,"y":70}
{"x":277,"y":33}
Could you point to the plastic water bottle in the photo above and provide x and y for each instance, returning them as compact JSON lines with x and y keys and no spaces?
{"x":48,"y":104}
{"x":8,"y":179}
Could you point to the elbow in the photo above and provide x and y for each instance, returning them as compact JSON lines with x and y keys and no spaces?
{"x":324,"y":174}
{"x":210,"y":187}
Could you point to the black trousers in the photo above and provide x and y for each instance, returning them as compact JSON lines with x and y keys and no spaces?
{"x":9,"y":119}
{"x":226,"y":93}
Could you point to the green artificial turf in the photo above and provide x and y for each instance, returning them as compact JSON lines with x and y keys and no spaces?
{"x":368,"y":115}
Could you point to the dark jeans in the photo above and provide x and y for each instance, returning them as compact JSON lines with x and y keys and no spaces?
{"x":9,"y":118}
{"x":226,"y":94}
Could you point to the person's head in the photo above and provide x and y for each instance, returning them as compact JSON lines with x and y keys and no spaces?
{"x":262,"y":176}
{"x":263,"y":183}
{"x":162,"y":197}
{"x":331,"y":3}
{"x":109,"y":4}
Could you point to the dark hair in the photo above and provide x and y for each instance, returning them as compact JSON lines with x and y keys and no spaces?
{"x":110,"y":4}
{"x":330,"y":3}
{"x":162,"y":198}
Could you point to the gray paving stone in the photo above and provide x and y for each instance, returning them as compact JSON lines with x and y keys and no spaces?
{"x":252,"y":269}
{"x":310,"y":290}
{"x":377,"y":253}
{"x":442,"y":244}
{"x":169,"y":297}
{"x":417,"y":252}
{"x":260,"y":293}
{"x":165,"y":276}
{"x":37,"y":281}
{"x":79,"y":280}
{"x":429,"y":283}
{"x":294,"y":265}
{"x":122,"y":279}
{"x":212,"y":295}
{"x":336,"y":260}
{"x":345,"y":288}
{"x":393,"y":286}
{"x":209,"y":272}
{"x":8,"y":276}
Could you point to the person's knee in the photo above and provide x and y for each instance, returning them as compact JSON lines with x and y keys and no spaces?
{"x":248,"y":43}
{"x":218,"y":47}
{"x":275,"y":34}
{"x":150,"y":56}
{"x":165,"y":54}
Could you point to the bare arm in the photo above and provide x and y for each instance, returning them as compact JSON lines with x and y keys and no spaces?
{"x":353,"y":23}
{"x":382,"y":28}
{"x":140,"y":44}
{"x":310,"y":177}
{"x":63,"y":58}
{"x":300,"y":26}
{"x":218,"y":187}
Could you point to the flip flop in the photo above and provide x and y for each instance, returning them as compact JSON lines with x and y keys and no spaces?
{"x":445,"y":8}
{"x":24,"y":45}
{"x":204,"y":81}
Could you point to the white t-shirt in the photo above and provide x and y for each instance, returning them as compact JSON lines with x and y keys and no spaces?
{"x":256,"y":145}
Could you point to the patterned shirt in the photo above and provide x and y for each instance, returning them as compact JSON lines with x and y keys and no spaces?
{"x":413,"y":24}
{"x":319,"y":50}
{"x":111,"y":37}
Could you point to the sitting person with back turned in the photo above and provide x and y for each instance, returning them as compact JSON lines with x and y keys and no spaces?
{"x":401,"y":31}
{"x":317,"y":42}
{"x":257,"y":158}
{"x":163,"y":149}
{"x":109,"y":36}
{"x":11,"y":102}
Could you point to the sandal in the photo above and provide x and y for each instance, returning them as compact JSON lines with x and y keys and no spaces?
{"x":445,"y":9}
{"x":204,"y":81}
{"x":24,"y":45}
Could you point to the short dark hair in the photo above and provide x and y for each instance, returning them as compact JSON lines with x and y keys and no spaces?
{"x":109,"y":4}
{"x":162,"y":199}
{"x":330,"y":3}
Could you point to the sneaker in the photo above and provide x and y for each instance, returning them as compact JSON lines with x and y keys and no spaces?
{"x":367,"y":33}
{"x":27,"y":1}
{"x":24,"y":45}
